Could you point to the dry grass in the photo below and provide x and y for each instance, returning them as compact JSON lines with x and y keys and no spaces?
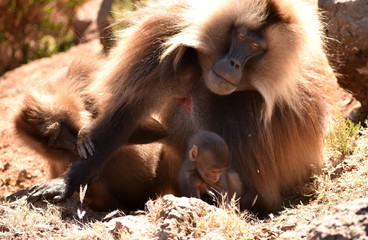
{"x":344,"y":178}
{"x":228,"y":221}
{"x":21,"y":221}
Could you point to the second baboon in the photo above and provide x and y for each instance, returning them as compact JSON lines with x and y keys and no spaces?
{"x":57,"y":108}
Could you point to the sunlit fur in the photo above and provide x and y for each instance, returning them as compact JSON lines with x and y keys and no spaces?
{"x":53,"y":102}
{"x":292,"y":46}
{"x":63,"y":101}
{"x":293,"y":78}
{"x":274,"y":121}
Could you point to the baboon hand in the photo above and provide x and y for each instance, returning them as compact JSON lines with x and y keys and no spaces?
{"x":54,"y":190}
{"x":17,"y":195}
{"x":85,"y":145}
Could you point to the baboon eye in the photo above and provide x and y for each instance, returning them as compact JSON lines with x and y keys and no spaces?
{"x":241,"y":36}
{"x":256,"y":45}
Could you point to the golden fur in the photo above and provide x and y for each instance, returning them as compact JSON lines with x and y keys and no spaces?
{"x":293,"y":78}
{"x":56,"y":106}
{"x":273,"y":122}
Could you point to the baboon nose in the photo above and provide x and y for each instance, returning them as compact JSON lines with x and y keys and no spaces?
{"x":235,"y":64}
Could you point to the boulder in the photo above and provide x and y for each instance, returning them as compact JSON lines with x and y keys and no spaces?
{"x":347,"y":31}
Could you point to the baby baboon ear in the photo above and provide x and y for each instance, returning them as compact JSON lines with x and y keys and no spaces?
{"x":193,"y":153}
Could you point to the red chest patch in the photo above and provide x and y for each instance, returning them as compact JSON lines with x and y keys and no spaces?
{"x":187,"y":103}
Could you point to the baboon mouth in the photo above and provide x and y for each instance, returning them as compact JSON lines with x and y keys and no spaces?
{"x":219,"y":85}
{"x":223,"y":79}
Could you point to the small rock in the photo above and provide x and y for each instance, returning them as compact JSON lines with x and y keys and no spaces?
{"x":135,"y":226}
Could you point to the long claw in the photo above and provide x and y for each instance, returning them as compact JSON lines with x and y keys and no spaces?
{"x":82,"y":152}
{"x":85,"y":145}
{"x":34,"y":195}
{"x":54,"y":189}
{"x":17,"y":195}
{"x":32,"y":189}
{"x":89,"y":146}
{"x":58,"y":198}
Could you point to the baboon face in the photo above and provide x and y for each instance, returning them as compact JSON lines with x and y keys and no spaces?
{"x":250,"y":50}
{"x":209,"y":165}
{"x":227,"y":71}
{"x":211,"y":175}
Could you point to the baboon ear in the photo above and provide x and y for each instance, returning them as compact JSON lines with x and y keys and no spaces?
{"x":193,"y":153}
{"x":176,"y":52}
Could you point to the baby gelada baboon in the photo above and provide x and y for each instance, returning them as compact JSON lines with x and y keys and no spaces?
{"x":206,"y":168}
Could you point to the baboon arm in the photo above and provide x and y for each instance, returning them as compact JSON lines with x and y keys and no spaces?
{"x":137,"y":85}
{"x":142,"y":86}
{"x":110,"y":133}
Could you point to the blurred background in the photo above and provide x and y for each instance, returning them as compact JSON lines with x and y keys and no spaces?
{"x":33,"y":29}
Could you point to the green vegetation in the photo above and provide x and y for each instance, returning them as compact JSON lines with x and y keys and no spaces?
{"x":31,"y":29}
{"x":123,"y":5}
{"x":343,"y":136}
{"x":119,"y":9}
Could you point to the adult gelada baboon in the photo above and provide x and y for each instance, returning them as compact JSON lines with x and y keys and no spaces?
{"x":254,"y":72}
